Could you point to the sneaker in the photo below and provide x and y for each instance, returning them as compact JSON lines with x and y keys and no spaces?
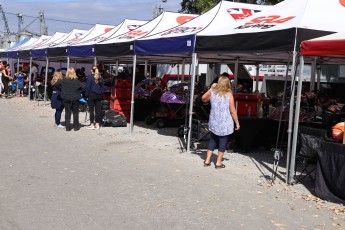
{"x":91,"y":127}
{"x":97,"y":126}
{"x":60,"y":126}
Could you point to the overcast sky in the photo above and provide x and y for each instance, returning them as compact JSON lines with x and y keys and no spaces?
{"x":89,"y":12}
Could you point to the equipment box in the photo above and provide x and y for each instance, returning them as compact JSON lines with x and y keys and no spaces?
{"x":246,"y":104}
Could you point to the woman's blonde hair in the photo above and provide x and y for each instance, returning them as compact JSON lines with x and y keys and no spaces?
{"x":223,"y":87}
{"x":95,"y":72}
{"x":57,"y":76}
{"x":70,"y":74}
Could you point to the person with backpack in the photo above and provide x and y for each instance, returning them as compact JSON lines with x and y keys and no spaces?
{"x":94,"y":91}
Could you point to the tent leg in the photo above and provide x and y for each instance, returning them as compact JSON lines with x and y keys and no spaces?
{"x":132,"y":98}
{"x":117,"y":68}
{"x":318,"y":77}
{"x":295,"y":130}
{"x":146,"y":67}
{"x":45,"y":80}
{"x":191,"y":100}
{"x":18,"y":61}
{"x":68,"y":62}
{"x":183,"y":69}
{"x":257,"y":78}
{"x":312,"y":75}
{"x":236,"y":74}
{"x":95,"y":60}
{"x":29,"y":78}
{"x":292,"y":102}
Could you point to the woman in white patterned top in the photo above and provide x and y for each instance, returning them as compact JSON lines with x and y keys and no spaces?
{"x":223,"y":115}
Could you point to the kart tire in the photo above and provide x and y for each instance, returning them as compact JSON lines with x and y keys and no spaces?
{"x":148,"y":120}
{"x":160,"y":123}
{"x":180,"y":132}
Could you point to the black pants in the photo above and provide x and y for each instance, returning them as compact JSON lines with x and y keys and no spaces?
{"x":71,"y":107}
{"x":95,"y":107}
{"x":5,"y":82}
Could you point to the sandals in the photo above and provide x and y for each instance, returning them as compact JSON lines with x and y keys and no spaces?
{"x":221,"y":166}
{"x":207,"y":164}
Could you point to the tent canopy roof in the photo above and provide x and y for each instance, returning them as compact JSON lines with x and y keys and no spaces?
{"x":331,"y":45}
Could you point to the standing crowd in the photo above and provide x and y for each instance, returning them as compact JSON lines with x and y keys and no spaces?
{"x":67,"y":92}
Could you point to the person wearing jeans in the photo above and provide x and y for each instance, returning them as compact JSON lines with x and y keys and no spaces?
{"x":71,"y":89}
{"x":93,"y":91}
{"x":56,"y":101}
{"x":223,"y":118}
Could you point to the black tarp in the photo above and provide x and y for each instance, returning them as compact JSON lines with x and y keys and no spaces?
{"x":330,"y":172}
{"x":114,"y":49}
{"x":271,"y":41}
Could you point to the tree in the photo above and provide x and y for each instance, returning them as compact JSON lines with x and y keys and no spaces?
{"x":201,"y":6}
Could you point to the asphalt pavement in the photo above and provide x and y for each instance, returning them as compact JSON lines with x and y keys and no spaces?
{"x":111,"y":179}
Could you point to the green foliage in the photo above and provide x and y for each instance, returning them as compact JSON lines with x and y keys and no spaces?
{"x":201,"y":6}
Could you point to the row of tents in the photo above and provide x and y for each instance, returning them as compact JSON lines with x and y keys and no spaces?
{"x":228,"y":33}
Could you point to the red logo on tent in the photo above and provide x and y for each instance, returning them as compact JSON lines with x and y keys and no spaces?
{"x":182,"y":30}
{"x":77,"y":38}
{"x":107,"y":29}
{"x":342,"y":2}
{"x":133,"y":34}
{"x":239,"y":14}
{"x":265,"y":22}
{"x":183,"y":19}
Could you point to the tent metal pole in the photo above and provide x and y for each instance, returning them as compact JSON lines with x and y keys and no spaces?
{"x":17,"y":73}
{"x":236,"y":74}
{"x":257,"y":78}
{"x":292,"y":102}
{"x":178,"y":72}
{"x":146,"y":65}
{"x":29,"y":78}
{"x":132,"y":98}
{"x":95,"y":60}
{"x":312,"y":75}
{"x":191,"y":99}
{"x":318,"y":77}
{"x":295,"y":130}
{"x":45,"y":80}
{"x":183,"y":69}
{"x":117,"y":68}
{"x":68,"y":62}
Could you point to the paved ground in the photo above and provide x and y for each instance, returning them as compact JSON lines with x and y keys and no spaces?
{"x":110,"y":179}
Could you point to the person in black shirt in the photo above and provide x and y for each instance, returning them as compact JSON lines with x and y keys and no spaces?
{"x":71,"y":90}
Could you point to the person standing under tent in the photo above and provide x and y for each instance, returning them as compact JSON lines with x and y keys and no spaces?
{"x":34,"y":73}
{"x":20,"y":84}
{"x":93,"y":91}
{"x":71,"y":90}
{"x":56,"y":100}
{"x":6,"y":78}
{"x":223,"y":115}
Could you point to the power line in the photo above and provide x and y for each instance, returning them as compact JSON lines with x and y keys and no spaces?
{"x":51,"y":19}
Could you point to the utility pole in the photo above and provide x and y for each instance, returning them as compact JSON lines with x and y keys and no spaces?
{"x":20,"y":23}
{"x":158,"y":9}
{"x":43,"y":26}
{"x":8,"y":32}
